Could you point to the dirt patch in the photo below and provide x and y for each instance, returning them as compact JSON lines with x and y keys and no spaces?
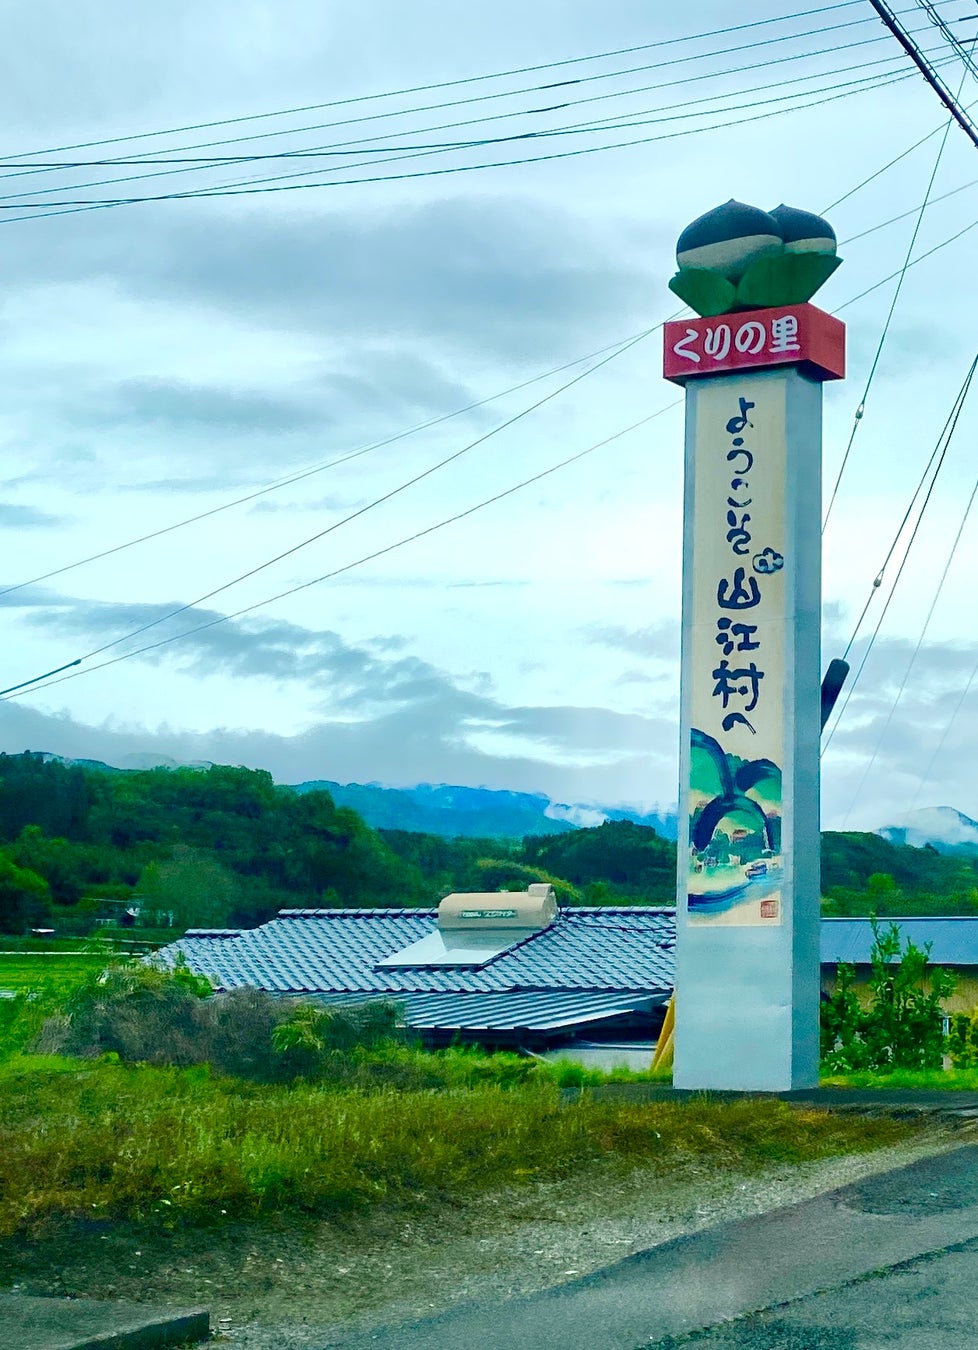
{"x":292,"y":1286}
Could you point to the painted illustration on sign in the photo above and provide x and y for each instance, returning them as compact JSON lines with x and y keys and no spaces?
{"x":734,"y":831}
{"x":737,"y":656}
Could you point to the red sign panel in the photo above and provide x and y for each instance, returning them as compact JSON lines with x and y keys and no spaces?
{"x":752,"y":339}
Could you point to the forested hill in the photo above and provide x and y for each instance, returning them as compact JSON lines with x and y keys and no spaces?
{"x":222,"y":846}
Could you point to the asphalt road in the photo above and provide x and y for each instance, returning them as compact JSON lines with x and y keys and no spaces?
{"x":888,"y":1261}
{"x":927,"y":1304}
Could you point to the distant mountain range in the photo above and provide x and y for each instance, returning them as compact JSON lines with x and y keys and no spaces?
{"x":476,"y":812}
{"x":435,"y":808}
{"x":944,"y":828}
{"x":495,"y":813}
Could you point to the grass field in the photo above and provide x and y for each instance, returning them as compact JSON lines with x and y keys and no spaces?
{"x":910,"y":1080}
{"x":33,"y":970}
{"x":181,"y":1147}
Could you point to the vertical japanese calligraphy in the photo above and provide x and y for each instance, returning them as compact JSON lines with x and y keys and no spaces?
{"x":737,"y":654}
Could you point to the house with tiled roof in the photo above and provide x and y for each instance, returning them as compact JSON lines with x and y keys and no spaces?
{"x":506,"y":969}
{"x":510,"y":969}
{"x":951,"y":943}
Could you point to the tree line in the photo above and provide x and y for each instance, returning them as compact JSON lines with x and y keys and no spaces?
{"x":226,"y":847}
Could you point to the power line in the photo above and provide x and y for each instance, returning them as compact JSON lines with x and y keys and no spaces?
{"x":41,"y":682}
{"x":939,"y":453}
{"x":72,"y":206}
{"x":34,"y":682}
{"x":322,"y":467}
{"x":879,"y":172}
{"x":916,"y":652}
{"x":894,"y":220}
{"x":928,"y":70}
{"x":448,"y":84}
{"x":370,"y":557}
{"x":195,"y":165}
{"x":921,"y":257}
{"x":925,"y":776}
{"x":943,"y":439}
{"x":418,"y":427}
{"x":675,"y":112}
{"x":363,"y":510}
{"x":861,"y":408}
{"x":319,"y":468}
{"x":941,"y":25}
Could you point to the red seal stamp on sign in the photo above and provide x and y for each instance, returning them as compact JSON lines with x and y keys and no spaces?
{"x":769,"y":909}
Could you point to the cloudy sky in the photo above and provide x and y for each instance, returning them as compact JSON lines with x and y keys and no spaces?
{"x":162,"y":360}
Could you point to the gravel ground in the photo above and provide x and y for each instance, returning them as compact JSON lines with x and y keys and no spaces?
{"x":292,"y":1288}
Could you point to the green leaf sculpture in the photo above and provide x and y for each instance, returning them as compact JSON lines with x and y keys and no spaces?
{"x":707,"y":293}
{"x":782,"y":279}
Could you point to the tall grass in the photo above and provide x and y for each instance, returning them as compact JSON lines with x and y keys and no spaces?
{"x":180,"y":1146}
{"x":909,"y":1080}
{"x":23,"y":970}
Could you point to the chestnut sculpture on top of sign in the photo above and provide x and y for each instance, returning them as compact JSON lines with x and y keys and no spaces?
{"x":739,"y":257}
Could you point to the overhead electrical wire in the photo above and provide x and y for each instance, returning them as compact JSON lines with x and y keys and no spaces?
{"x":195,"y":164}
{"x":191,"y":604}
{"x":674,"y":112}
{"x":927,"y":69}
{"x":936,"y":456}
{"x":18,"y":690}
{"x":395,"y":154}
{"x":939,"y":748}
{"x":363,"y":510}
{"x":471,"y":79}
{"x":887,"y":166}
{"x":321,"y":467}
{"x":41,"y":682}
{"x":966,"y":54}
{"x":921,"y":257}
{"x":318,"y":468}
{"x":71,"y":206}
{"x":916,"y":652}
{"x":904,"y":215}
{"x":931,"y":472}
{"x":314,"y":469}
{"x":861,"y":407}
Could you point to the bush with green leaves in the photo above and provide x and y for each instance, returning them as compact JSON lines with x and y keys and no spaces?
{"x":962,"y":1042}
{"x":145,"y":1015}
{"x":902,"y":1025}
{"x":313,"y":1039}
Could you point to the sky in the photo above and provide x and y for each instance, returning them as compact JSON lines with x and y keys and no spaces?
{"x":161,"y":360}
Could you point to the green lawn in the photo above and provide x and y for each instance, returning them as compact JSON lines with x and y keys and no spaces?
{"x":32,"y":970}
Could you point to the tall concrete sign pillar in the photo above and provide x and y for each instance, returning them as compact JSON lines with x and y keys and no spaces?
{"x":753,"y":364}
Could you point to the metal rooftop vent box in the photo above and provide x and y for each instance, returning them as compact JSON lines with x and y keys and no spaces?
{"x":474,"y":928}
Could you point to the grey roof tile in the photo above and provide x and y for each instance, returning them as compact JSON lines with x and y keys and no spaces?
{"x":335,"y":952}
{"x":954,"y":941}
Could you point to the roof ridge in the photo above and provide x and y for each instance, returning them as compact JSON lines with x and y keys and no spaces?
{"x":901,"y":918}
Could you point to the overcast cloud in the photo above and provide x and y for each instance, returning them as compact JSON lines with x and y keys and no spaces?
{"x":159,"y":360}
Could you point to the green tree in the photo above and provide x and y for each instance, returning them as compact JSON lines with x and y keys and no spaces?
{"x":636,"y":861}
{"x":25,"y":898}
{"x":60,"y":863}
{"x":903,"y":1025}
{"x":192,"y":886}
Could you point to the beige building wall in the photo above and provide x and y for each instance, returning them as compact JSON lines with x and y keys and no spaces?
{"x":964,"y":998}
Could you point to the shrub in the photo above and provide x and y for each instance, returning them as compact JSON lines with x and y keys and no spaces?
{"x":145,"y":1015}
{"x":902,"y":1028}
{"x":962,"y":1043}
